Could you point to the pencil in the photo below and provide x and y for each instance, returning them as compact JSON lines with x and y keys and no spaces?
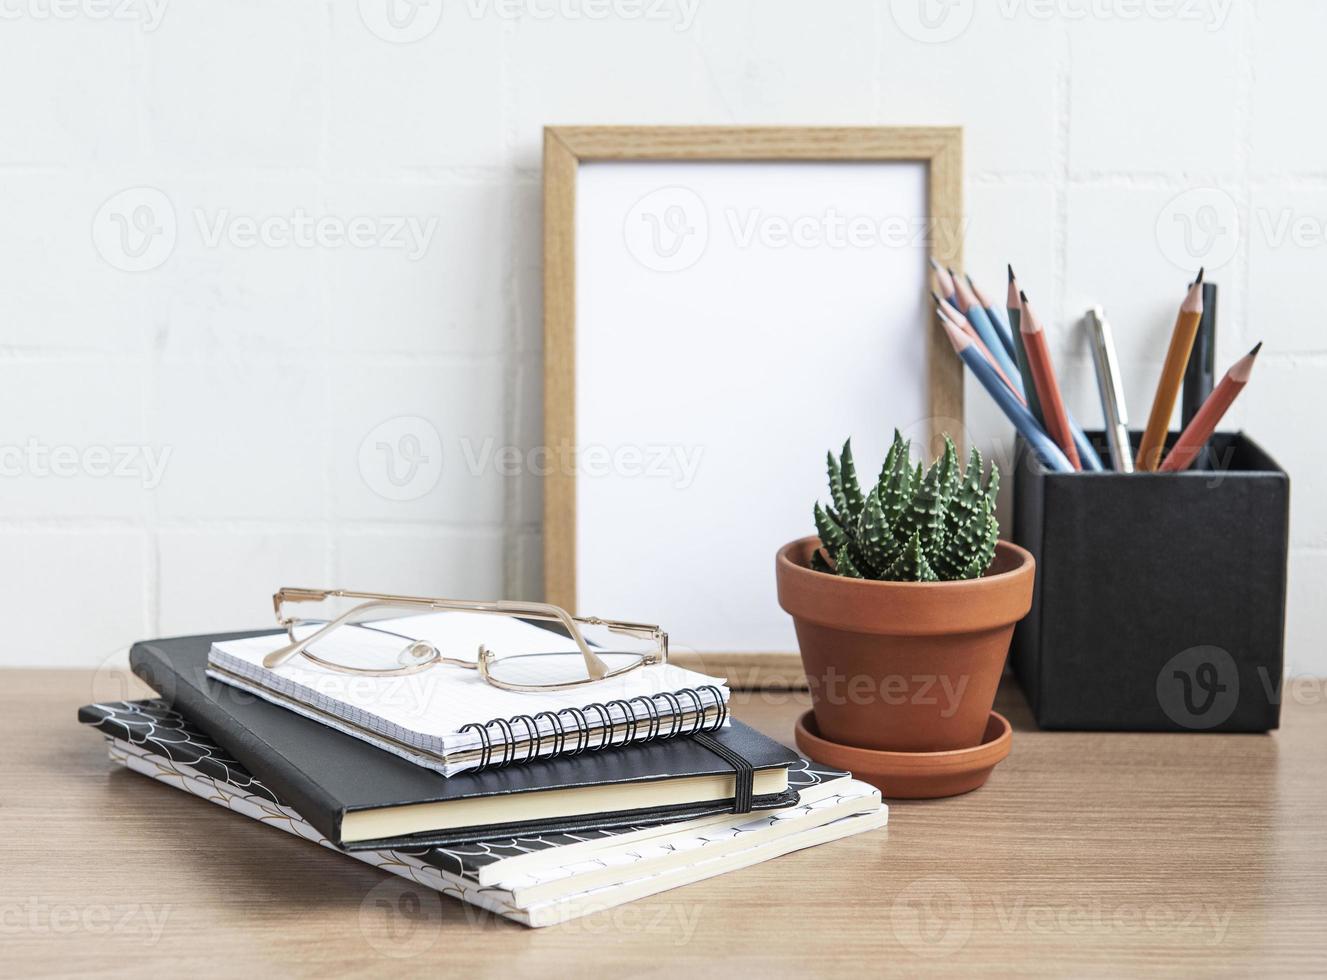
{"x":957,"y":319}
{"x":995,"y":316}
{"x":1003,"y":396}
{"x":1015,"y":307}
{"x":1087,"y":454}
{"x":944,"y":282}
{"x":1172,"y":375}
{"x":1198,"y":431}
{"x":1199,"y":372}
{"x":1043,"y":376}
{"x":967,"y":305}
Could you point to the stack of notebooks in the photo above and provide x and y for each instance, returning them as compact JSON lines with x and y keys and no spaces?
{"x":538,"y":807}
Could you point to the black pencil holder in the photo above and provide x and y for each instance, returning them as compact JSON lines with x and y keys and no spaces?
{"x":1160,"y":597}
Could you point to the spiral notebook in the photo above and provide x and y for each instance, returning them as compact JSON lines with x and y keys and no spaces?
{"x":501,"y":874}
{"x":361,"y":797}
{"x":449,"y":720}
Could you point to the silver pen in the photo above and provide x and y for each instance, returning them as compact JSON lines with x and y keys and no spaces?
{"x":1111,"y":387}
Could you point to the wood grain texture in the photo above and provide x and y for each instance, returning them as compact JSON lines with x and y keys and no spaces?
{"x":939,"y":147}
{"x":746,"y":671}
{"x":1086,"y":854}
{"x":559,"y":369}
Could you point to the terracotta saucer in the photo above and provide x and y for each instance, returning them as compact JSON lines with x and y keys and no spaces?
{"x":913,"y":775}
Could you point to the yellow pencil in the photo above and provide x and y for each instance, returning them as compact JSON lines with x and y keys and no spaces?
{"x":1172,"y":376}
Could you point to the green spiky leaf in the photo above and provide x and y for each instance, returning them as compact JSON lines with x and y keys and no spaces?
{"x":947,"y":472}
{"x":837,"y":498}
{"x":896,"y":480}
{"x":875,"y":538}
{"x":916,"y":524}
{"x":832,"y":534}
{"x":843,"y":564}
{"x":912,"y":564}
{"x":852,"y":491}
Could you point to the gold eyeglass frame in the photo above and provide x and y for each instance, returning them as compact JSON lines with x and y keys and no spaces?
{"x":595,"y":668}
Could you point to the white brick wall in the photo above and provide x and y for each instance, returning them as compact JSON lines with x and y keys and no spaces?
{"x":258,"y":371}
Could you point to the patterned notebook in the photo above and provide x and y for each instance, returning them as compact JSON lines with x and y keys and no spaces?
{"x":577,"y":875}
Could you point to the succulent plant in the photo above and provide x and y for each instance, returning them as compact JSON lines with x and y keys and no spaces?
{"x":915,"y":525}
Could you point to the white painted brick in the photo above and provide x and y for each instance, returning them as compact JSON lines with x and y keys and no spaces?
{"x":432,"y":102}
{"x":580,"y":71}
{"x":60,"y":293}
{"x":1281,"y":408}
{"x":447,"y":564}
{"x":998,"y":79}
{"x":262,"y":369}
{"x":444,"y":290}
{"x":51,"y":114}
{"x":1306,"y":614}
{"x":1155,"y":94}
{"x":528,"y":405}
{"x":1010,"y":224}
{"x":419,"y":442}
{"x":72,"y":598}
{"x":247,"y":440}
{"x":219,"y":580}
{"x":1289,"y":71}
{"x":236,"y":84}
{"x":245,"y":275}
{"x":73,"y":442}
{"x":1287,"y":234}
{"x":528,"y":267}
{"x":1113,"y":258}
{"x":774,"y":61}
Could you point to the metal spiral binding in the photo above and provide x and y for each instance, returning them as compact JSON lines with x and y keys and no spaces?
{"x":665,"y":718}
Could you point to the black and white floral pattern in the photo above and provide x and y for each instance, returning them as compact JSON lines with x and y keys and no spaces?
{"x":161,"y":730}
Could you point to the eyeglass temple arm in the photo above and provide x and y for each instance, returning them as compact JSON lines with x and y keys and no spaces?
{"x":546,"y":610}
{"x":278,"y":657}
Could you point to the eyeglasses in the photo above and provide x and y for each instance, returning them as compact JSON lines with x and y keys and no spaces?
{"x":347,"y":645}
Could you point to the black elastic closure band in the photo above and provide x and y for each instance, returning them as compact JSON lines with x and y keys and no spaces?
{"x":746,"y":775}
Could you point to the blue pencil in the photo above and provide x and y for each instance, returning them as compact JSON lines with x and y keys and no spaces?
{"x":1086,"y":454}
{"x":971,"y":308}
{"x":1014,"y":410}
{"x":996,"y":316}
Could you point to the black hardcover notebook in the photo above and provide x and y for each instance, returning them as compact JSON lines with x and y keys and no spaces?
{"x":363,"y":798}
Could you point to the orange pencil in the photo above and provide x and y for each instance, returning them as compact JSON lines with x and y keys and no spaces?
{"x":1204,"y":421}
{"x":1172,"y":376}
{"x":950,"y":313}
{"x":1043,"y":376}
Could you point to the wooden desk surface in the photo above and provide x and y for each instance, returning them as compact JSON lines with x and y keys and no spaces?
{"x":1086,"y":854}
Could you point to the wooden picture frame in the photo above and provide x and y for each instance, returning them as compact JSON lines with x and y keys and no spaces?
{"x":938,"y":149}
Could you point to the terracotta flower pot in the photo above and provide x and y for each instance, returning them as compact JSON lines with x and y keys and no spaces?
{"x":904,"y":666}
